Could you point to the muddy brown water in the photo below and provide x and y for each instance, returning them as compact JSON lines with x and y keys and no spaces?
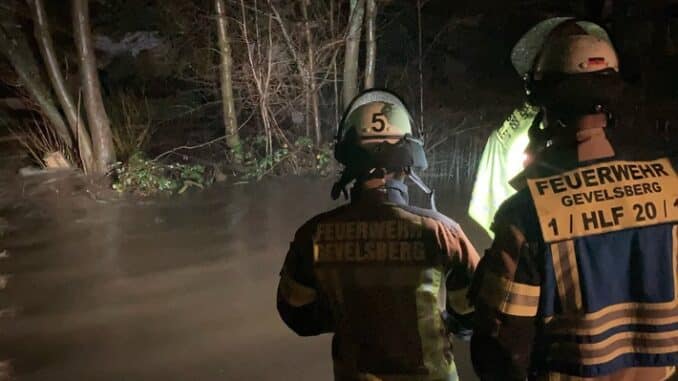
{"x":162,"y":289}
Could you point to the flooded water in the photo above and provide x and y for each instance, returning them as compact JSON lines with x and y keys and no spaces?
{"x":164,"y":289}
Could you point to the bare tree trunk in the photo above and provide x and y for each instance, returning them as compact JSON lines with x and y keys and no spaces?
{"x":77,"y":124}
{"x":335,"y":85}
{"x":102,"y":140}
{"x":420,"y":33}
{"x":19,"y":55}
{"x":230,"y":119}
{"x":312,"y":93}
{"x":371,"y":42}
{"x":352,"y":51}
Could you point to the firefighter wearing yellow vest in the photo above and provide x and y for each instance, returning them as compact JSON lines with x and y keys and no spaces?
{"x":388,"y":279}
{"x":581,"y":281}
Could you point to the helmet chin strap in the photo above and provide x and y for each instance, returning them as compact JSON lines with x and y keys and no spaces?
{"x":425,"y":188}
{"x":339,"y":187}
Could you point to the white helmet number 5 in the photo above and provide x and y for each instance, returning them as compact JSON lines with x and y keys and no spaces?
{"x":379,"y":120}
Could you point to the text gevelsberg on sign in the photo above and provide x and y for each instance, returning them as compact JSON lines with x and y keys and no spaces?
{"x":605,"y":197}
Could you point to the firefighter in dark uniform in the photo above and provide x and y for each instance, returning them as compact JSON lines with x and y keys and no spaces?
{"x":581,"y":280}
{"x":386,"y":278}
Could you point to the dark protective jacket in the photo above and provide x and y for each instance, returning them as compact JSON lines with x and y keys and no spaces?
{"x":585,"y":288}
{"x":382,"y":276}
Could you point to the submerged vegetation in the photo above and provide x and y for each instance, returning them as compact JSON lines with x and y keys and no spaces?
{"x":144,"y":177}
{"x":141,"y":176}
{"x":302,"y":157}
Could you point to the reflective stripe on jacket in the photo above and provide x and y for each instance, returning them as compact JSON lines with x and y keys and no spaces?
{"x":379,"y":273}
{"x":598,"y":307}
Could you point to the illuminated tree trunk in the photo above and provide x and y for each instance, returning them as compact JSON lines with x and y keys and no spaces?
{"x":75,"y":121}
{"x":230,"y":119}
{"x":99,"y":124}
{"x":335,"y":82}
{"x":351,"y":55}
{"x":371,"y":42}
{"x":311,"y":91}
{"x":420,"y":64}
{"x":19,"y":55}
